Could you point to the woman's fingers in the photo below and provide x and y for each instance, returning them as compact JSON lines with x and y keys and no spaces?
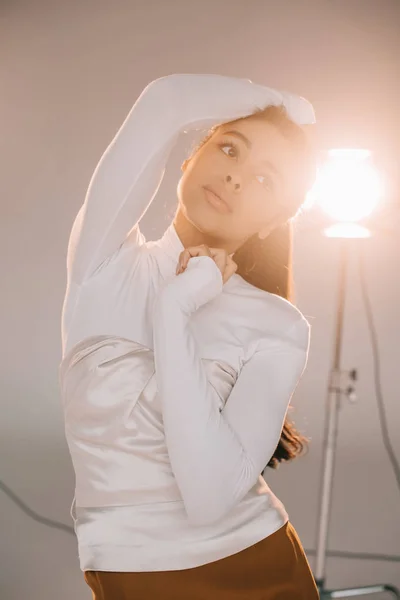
{"x":188,"y":253}
{"x":221,"y":258}
{"x":231,"y":268}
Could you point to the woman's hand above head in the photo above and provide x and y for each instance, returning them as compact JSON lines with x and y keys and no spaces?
{"x":222,"y":259}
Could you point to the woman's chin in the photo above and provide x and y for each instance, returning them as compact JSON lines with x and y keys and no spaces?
{"x":203,"y":218}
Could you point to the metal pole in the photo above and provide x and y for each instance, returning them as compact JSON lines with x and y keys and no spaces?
{"x":331,"y":424}
{"x":336,"y":390}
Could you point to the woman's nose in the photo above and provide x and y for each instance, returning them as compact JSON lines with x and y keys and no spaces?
{"x":236,"y":185}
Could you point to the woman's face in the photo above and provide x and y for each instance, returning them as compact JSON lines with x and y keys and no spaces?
{"x":253,"y":170}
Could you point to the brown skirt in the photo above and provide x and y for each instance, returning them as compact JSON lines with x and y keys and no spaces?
{"x":274,"y":569}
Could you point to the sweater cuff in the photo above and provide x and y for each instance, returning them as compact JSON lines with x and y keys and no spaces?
{"x":198,"y":284}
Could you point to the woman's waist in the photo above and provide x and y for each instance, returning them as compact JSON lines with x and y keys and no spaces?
{"x":165,"y":522}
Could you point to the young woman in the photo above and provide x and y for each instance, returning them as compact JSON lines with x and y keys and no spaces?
{"x":180,"y":356}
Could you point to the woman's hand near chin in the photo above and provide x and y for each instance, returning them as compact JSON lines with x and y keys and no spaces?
{"x":222,"y":259}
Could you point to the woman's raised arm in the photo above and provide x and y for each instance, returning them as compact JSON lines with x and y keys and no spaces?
{"x":131,"y":169}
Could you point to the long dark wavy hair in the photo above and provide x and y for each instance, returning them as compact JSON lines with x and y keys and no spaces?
{"x":267,"y":263}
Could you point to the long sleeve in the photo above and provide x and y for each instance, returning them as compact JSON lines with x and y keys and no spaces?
{"x":131,"y":169}
{"x":217,"y":456}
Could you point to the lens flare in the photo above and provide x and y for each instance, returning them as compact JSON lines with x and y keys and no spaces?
{"x":348,"y":187}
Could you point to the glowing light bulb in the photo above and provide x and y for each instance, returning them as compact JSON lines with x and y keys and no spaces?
{"x":348,"y":187}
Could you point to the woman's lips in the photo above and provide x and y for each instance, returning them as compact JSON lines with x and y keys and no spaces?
{"x":216,"y":201}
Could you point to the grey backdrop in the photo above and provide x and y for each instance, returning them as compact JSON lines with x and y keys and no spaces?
{"x":70,"y":72}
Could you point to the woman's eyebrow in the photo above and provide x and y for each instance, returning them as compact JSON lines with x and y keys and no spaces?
{"x":241,"y":136}
{"x":248,"y":143}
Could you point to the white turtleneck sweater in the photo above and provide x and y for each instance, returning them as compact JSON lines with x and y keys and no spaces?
{"x":174,"y":388}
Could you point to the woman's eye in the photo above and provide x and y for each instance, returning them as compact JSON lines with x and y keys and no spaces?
{"x":222,"y":146}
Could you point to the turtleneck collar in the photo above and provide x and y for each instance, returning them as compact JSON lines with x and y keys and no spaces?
{"x":171,"y":244}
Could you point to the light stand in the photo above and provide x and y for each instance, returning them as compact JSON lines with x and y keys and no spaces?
{"x":336,"y":389}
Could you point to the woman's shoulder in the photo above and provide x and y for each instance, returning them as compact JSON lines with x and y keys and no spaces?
{"x":271,"y":315}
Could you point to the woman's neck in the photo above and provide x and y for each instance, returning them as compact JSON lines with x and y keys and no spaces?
{"x":191,"y":236}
